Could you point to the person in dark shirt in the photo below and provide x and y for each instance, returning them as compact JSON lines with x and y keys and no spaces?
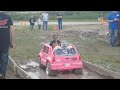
{"x":55,"y":42}
{"x":32,"y":22}
{"x":6,"y":41}
{"x":59,"y":17}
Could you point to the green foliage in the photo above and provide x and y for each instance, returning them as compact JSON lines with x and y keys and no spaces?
{"x":53,"y":14}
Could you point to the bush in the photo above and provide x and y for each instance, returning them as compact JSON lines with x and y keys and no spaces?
{"x":53,"y":15}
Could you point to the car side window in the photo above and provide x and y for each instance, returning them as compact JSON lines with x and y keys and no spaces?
{"x":44,"y":49}
{"x":47,"y":50}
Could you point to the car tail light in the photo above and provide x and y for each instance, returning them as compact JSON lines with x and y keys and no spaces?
{"x":74,"y":58}
{"x":53,"y":59}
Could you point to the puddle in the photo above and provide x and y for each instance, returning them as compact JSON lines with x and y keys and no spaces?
{"x":32,"y":64}
{"x":23,"y":66}
{"x":32,"y":69}
{"x":33,"y":75}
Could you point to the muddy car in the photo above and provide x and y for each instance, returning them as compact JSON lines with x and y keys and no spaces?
{"x":61,"y":58}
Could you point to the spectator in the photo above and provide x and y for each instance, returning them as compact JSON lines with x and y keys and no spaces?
{"x":113,"y":19}
{"x":6,"y":40}
{"x":118,"y":40}
{"x":59,"y":17}
{"x":39,"y":23}
{"x":45,"y":20}
{"x":32,"y":22}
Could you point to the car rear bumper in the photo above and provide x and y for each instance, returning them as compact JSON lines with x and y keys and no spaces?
{"x":67,"y":66}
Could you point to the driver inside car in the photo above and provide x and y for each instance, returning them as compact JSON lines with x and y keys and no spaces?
{"x":55,"y":42}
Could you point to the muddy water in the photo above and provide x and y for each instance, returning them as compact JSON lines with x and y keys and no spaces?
{"x":32,"y":68}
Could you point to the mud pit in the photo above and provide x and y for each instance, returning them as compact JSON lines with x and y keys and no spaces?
{"x":32,"y":68}
{"x":83,"y":33}
{"x":86,"y":38}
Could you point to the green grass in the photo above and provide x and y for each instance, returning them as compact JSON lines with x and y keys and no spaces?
{"x":92,"y":49}
{"x":74,"y":16}
{"x":28,"y":44}
{"x":100,"y":53}
{"x":76,"y":20}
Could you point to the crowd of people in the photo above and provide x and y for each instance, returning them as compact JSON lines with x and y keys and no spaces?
{"x":43,"y":21}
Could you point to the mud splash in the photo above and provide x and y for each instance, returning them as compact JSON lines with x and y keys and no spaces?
{"x":31,"y":69}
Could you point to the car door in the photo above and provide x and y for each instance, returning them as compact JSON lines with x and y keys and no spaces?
{"x":45,"y":55}
{"x":43,"y":58}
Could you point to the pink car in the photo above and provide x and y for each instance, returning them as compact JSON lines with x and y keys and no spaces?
{"x":61,"y":58}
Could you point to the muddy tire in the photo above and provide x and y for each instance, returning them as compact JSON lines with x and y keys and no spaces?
{"x":49,"y":71}
{"x":77,"y":71}
{"x":41,"y":65}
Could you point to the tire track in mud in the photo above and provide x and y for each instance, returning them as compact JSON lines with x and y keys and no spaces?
{"x":32,"y":68}
{"x":10,"y":74}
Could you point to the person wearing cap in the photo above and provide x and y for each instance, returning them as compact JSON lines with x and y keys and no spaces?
{"x":113,"y":19}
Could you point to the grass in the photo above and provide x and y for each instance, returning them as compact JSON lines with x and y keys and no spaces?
{"x":28,"y":44}
{"x":92,"y":49}
{"x":100,"y":53}
{"x":73,"y":20}
{"x":76,"y":20}
{"x":67,"y":15}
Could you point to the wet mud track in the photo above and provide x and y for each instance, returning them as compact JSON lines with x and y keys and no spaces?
{"x":10,"y":74}
{"x":32,"y":68}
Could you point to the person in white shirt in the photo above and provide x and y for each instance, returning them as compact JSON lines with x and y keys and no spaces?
{"x":45,"y":20}
{"x":39,"y":23}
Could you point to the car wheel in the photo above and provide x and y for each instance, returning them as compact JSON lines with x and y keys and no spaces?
{"x":41,"y":65}
{"x":49,"y":71}
{"x":78,"y":71}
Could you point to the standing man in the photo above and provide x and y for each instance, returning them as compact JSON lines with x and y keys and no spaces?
{"x":59,"y":17}
{"x":6,"y":40}
{"x":32,"y":22}
{"x":113,"y":19}
{"x":118,"y":39}
{"x":45,"y":20}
